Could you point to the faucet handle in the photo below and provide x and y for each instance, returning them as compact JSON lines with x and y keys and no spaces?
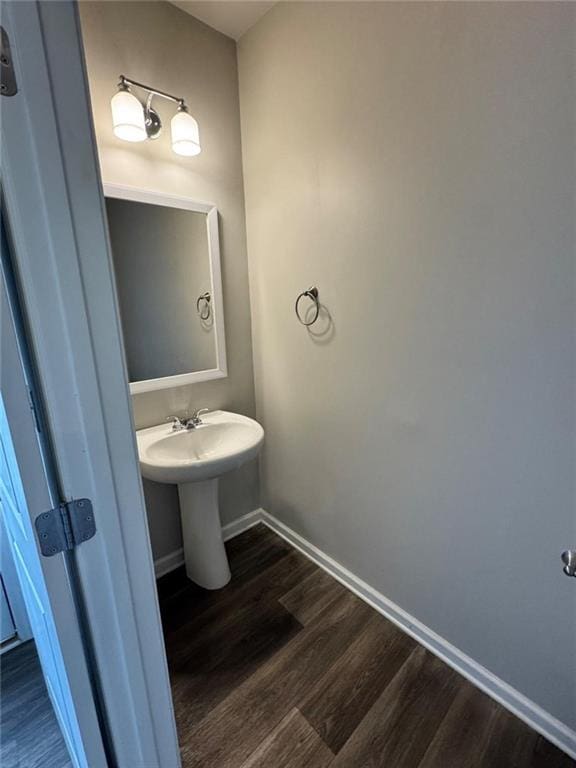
{"x":195,"y":420}
{"x":176,"y":422}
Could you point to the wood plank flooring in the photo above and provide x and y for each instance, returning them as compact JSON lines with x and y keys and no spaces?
{"x":29,"y":733}
{"x":285,"y":668}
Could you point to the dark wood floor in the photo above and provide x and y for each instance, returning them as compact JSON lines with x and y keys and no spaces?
{"x":29,"y":733}
{"x":285,"y":668}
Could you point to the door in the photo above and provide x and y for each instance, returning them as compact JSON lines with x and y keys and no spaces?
{"x":11,"y":584}
{"x":53,"y":199}
{"x":7,"y":628}
{"x":28,"y":488}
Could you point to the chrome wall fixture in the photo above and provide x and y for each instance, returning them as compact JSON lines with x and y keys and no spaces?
{"x":203,"y":306}
{"x":135,"y":120}
{"x":569,"y":561}
{"x":312,"y":294}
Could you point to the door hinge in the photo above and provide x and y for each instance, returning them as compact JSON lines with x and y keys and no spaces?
{"x":64,"y":527}
{"x":8,"y":85}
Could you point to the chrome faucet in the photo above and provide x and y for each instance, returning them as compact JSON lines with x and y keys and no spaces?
{"x":177,"y":423}
{"x":195,"y":420}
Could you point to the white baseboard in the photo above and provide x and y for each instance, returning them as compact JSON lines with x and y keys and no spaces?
{"x":170,"y":562}
{"x":8,"y":645}
{"x":242,"y":524}
{"x":514,"y":701}
{"x":173,"y":560}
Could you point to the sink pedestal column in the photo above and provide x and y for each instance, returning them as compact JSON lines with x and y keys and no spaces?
{"x":204,"y":552}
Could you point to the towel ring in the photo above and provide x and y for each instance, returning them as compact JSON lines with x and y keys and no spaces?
{"x":203,"y":311}
{"x":312,"y":294}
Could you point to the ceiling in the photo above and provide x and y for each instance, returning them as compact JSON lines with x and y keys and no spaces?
{"x":232,"y":17}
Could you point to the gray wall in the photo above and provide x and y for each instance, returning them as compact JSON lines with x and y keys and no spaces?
{"x":162,"y":264}
{"x":158,"y":44}
{"x":416,"y":162}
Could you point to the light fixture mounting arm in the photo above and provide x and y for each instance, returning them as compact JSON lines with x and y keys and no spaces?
{"x":152,"y":120}
{"x":126,"y":82}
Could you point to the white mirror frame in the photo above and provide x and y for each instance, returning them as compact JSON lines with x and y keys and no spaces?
{"x":139,"y":195}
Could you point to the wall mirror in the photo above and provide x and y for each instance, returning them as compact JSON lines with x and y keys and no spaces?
{"x":166,"y":257}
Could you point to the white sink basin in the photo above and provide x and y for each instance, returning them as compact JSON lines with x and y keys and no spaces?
{"x":194,"y":459}
{"x":223,"y":441}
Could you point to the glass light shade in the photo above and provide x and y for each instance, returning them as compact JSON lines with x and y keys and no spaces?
{"x":128,"y":117}
{"x":185,"y":135}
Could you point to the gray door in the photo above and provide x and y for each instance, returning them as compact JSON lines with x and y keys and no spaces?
{"x":27,"y":488}
{"x":7,"y":628}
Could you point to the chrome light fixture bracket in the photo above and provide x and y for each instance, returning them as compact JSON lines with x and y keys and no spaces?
{"x":152,"y":119}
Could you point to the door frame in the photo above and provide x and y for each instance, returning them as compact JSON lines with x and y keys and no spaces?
{"x":55,"y":207}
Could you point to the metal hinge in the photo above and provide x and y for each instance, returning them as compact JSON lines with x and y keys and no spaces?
{"x":65,"y":526}
{"x":8,"y":85}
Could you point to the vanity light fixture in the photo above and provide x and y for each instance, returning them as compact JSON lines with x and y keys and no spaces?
{"x":134,"y":120}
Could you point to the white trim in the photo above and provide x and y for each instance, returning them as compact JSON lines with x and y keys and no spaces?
{"x":173,"y":560}
{"x":236,"y":527}
{"x":143,"y":195}
{"x":514,"y":701}
{"x":169,"y":562}
{"x":14,"y":642}
{"x":153,"y":197}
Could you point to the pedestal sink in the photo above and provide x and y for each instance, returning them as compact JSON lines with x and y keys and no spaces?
{"x":194,"y":459}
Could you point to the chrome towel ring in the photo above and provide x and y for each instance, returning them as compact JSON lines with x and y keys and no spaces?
{"x":203,"y":306}
{"x":312,"y":294}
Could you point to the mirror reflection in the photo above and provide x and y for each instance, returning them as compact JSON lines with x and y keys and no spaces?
{"x":163,"y":273}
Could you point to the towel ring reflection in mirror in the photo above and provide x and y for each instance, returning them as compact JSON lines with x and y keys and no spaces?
{"x":312,"y":294}
{"x":203,"y":306}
